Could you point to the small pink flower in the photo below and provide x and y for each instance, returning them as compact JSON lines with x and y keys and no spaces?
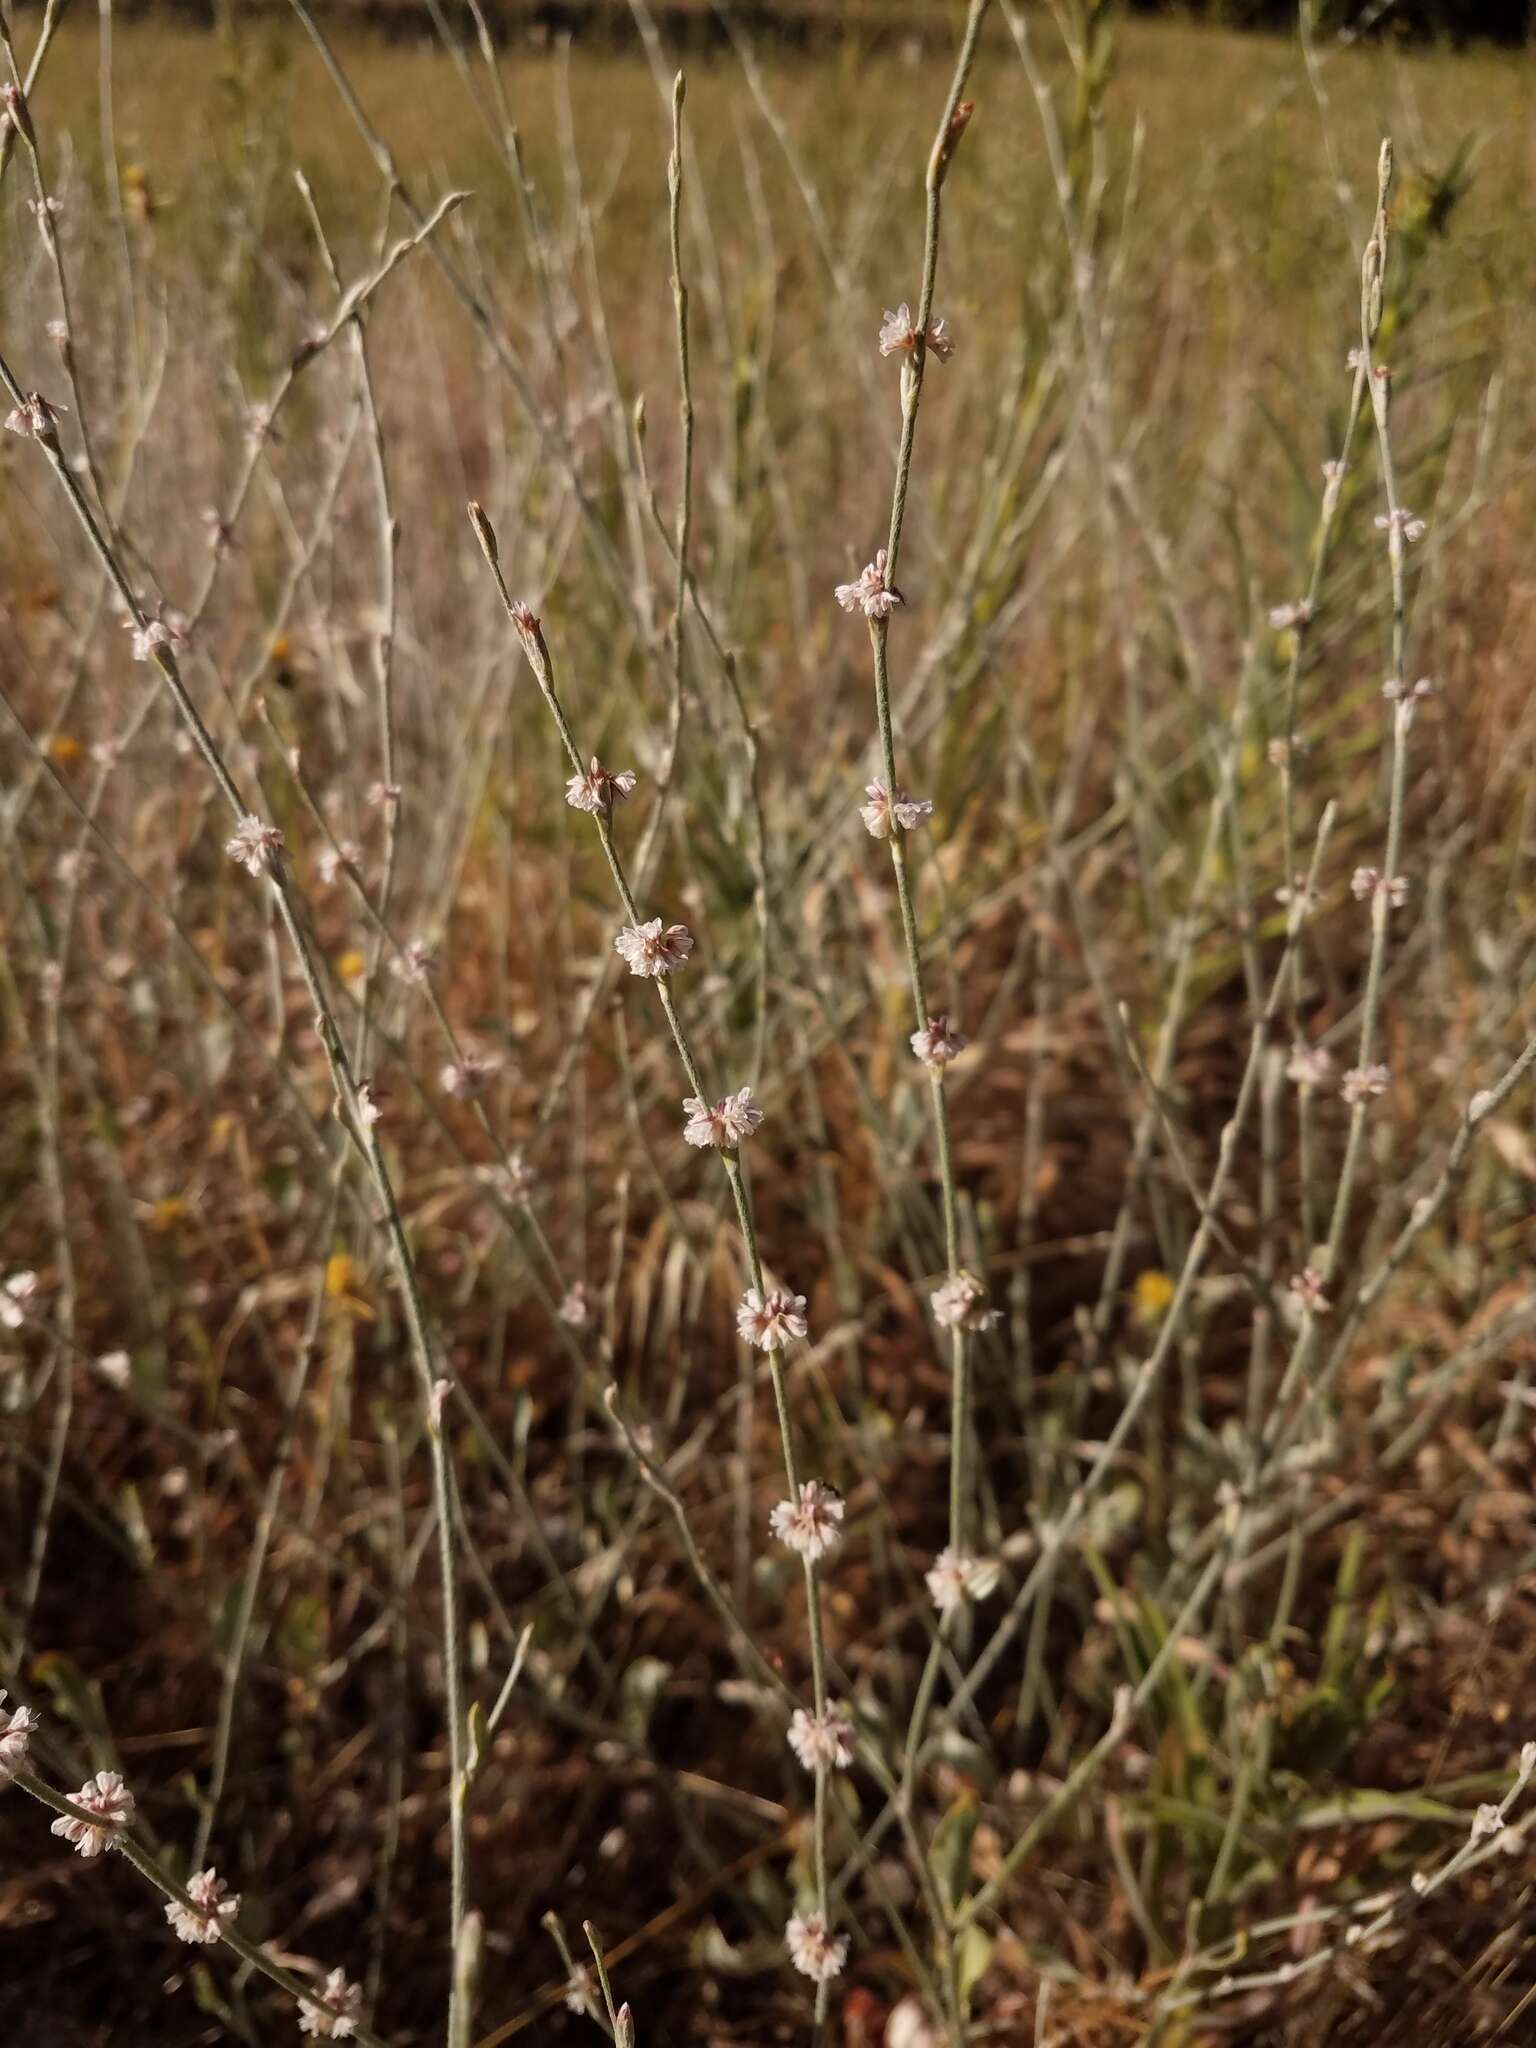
{"x":1361,"y":1083}
{"x":1367,"y":882}
{"x":384,"y":796}
{"x":16,"y":1730}
{"x":470,"y":1075}
{"x":16,"y":1296}
{"x":254,"y":845}
{"x":1296,"y":892}
{"x":824,"y":1741}
{"x":731,"y":1120}
{"x":513,"y":1181}
{"x":35,"y":417}
{"x":207,"y":1891}
{"x":581,"y":1991}
{"x":343,"y":2008}
{"x":1306,"y":1288}
{"x":1395,"y":691}
{"x":957,"y":1304}
{"x":1310,"y":1066}
{"x":370,"y":1103}
{"x":898,"y":334}
{"x":955,"y":1576}
{"x":108,"y":1798}
{"x":885,"y":814}
{"x":416,"y":963}
{"x":936,"y":1044}
{"x":814,"y":1951}
{"x":332,"y":859}
{"x":524,"y":619}
{"x":1282,"y":617}
{"x":813,"y":1524}
{"x":771,"y":1324}
{"x":1486,"y":1821}
{"x":576,"y":1306}
{"x":161,"y":632}
{"x":870,"y":594}
{"x":598,"y":789}
{"x":1400,"y":521}
{"x":648,"y":950}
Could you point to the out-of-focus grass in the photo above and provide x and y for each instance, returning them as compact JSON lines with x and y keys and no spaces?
{"x":1274,"y":1775}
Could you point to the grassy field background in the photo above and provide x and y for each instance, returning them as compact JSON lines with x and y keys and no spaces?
{"x":216,"y":1515}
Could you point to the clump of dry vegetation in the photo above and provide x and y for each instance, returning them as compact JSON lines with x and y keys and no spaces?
{"x":766,"y":1220}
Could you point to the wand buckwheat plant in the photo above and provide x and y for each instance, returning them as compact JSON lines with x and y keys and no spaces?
{"x":892,"y":815}
{"x":769,"y":1318}
{"x":401,"y":1568}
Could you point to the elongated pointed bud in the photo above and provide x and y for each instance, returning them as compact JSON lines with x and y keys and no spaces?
{"x":485,"y":533}
{"x":624,"y":2030}
{"x":466,"y":1976}
{"x":16,"y":107}
{"x":944,"y":149}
